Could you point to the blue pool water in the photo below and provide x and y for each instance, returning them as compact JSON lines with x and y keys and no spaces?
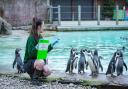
{"x":105,"y":41}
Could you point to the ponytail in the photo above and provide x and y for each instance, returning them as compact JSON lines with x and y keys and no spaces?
{"x":35,"y":23}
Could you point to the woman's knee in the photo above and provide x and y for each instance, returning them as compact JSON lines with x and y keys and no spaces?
{"x":46,"y":71}
{"x":38,"y":64}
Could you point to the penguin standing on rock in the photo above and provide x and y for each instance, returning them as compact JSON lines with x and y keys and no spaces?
{"x":72,"y":62}
{"x":91,"y":63}
{"x":18,"y":61}
{"x":97,"y":58}
{"x":116,"y":64}
{"x":119,"y":63}
{"x":111,"y":66}
{"x":82,"y":61}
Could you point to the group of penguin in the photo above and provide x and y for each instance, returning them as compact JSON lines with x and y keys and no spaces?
{"x":90,"y":58}
{"x":86,"y":58}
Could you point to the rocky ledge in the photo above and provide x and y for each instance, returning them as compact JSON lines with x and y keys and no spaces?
{"x":61,"y":80}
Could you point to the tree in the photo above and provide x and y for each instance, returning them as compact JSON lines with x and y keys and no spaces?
{"x":107,"y":9}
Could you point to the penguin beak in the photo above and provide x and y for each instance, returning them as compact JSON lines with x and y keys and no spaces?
{"x":20,"y":49}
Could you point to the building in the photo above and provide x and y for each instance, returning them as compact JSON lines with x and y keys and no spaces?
{"x":89,"y":10}
{"x":69,"y":9}
{"x":20,"y":12}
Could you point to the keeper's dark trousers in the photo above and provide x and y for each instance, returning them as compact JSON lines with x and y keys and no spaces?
{"x":29,"y":68}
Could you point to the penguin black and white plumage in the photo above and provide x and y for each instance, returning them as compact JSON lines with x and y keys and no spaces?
{"x":18,"y":61}
{"x":91,"y":63}
{"x":111,"y":66}
{"x":72,"y":60}
{"x":82,"y":61}
{"x":97,"y":60}
{"x":119,"y":63}
{"x":116,"y":64}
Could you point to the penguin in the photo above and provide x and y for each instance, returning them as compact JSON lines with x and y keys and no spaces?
{"x":119,"y":63}
{"x":111,"y":66}
{"x":91,"y":63}
{"x":97,"y":61}
{"x":72,"y":60}
{"x":82,"y":62}
{"x":18,"y":60}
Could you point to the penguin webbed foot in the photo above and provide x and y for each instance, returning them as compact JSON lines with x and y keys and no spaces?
{"x":93,"y":74}
{"x":79,"y":72}
{"x":113,"y":76}
{"x":83,"y":72}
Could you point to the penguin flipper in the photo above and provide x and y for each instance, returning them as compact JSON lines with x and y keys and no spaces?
{"x":125,"y":66}
{"x":87,"y":65}
{"x":100,"y":65}
{"x":109,"y":69}
{"x":75,"y":66}
{"x":68,"y":66}
{"x":14,"y":62}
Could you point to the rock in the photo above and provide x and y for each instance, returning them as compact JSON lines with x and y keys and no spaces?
{"x":5,"y":27}
{"x":71,"y":85}
{"x":44,"y":86}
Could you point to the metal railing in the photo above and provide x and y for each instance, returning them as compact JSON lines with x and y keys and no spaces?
{"x":84,"y":13}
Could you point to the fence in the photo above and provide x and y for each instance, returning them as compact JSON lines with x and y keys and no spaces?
{"x":84,"y":13}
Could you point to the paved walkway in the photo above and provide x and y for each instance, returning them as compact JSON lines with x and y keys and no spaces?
{"x":92,"y":25}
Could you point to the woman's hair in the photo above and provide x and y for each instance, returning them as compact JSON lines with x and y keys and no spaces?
{"x":34,"y":31}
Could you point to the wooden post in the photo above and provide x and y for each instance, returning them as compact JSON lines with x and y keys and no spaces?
{"x":124,"y":11}
{"x":98,"y":20}
{"x":48,"y":2}
{"x":79,"y":15}
{"x":117,"y":11}
{"x":51,"y":14}
{"x":59,"y":15}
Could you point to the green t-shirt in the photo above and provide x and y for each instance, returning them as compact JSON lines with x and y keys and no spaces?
{"x":31,"y":51}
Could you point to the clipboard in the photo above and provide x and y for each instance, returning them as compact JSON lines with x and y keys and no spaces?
{"x":42,"y":49}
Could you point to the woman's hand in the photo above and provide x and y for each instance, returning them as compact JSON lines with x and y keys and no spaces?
{"x":39,"y":64}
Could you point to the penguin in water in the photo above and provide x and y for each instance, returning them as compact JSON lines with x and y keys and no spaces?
{"x":97,"y":60}
{"x":119,"y":63}
{"x":91,"y":63}
{"x":18,"y":60}
{"x":82,"y":61}
{"x":72,"y":62}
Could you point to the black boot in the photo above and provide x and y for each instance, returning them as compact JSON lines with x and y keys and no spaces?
{"x":35,"y":78}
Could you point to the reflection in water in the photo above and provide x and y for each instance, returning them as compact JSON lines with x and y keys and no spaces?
{"x":105,"y":42}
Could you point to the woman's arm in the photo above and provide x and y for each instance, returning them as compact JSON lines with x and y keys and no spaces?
{"x":50,"y":48}
{"x":31,"y":48}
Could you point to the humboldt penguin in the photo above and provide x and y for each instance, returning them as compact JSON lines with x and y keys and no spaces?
{"x":72,"y":60}
{"x":97,"y":60}
{"x":18,"y":61}
{"x":82,"y":62}
{"x":119,"y":63}
{"x":91,"y":63}
{"x":111,"y":66}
